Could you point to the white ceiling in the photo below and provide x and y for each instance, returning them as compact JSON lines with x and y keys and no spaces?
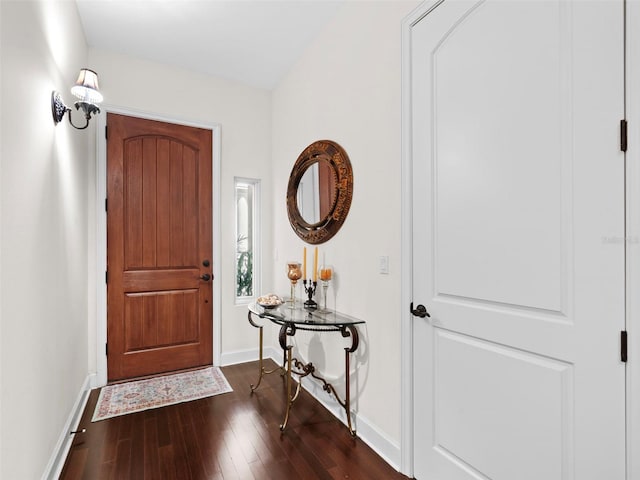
{"x":251,"y":41}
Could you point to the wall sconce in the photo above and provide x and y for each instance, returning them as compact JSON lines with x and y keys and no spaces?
{"x":86,"y":90}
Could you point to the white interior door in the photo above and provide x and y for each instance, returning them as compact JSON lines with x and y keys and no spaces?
{"x":518,"y":251}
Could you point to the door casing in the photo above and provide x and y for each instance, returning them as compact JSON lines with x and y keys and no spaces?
{"x":632,"y":106}
{"x":100,"y":378}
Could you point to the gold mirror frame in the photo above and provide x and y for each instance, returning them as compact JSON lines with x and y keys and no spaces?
{"x":332,"y":153}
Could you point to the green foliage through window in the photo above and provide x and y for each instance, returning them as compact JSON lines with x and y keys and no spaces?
{"x":244,"y":271}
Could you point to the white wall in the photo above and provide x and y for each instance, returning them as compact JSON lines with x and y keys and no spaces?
{"x":346,"y":88}
{"x":43,"y":241}
{"x":244,"y":115}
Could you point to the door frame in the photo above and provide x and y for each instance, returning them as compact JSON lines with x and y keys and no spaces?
{"x":406,"y":244}
{"x":632,"y":105}
{"x":101,"y":231}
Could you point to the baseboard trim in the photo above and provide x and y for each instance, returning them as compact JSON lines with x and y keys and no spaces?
{"x":366,"y":430}
{"x":379,"y":442}
{"x":59,"y":455}
{"x":251,"y":355}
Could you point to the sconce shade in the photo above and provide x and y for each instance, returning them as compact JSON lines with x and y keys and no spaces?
{"x":86,"y":90}
{"x":86,"y":87}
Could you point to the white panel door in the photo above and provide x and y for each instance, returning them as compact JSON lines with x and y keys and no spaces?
{"x":518,"y":252}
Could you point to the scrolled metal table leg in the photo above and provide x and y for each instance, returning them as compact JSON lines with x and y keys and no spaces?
{"x":349,"y":330}
{"x":260,"y":364}
{"x":287,"y":330}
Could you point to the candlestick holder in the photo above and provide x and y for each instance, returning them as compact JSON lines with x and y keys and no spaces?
{"x":294,"y":274}
{"x":310,"y":290}
{"x":326,"y":275}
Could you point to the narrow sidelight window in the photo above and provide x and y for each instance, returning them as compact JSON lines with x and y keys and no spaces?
{"x":247,"y":192}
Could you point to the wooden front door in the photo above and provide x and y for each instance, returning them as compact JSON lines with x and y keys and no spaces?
{"x":159,"y":247}
{"x":518,"y":240}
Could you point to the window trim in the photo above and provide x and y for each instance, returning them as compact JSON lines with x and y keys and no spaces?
{"x":255,"y":238}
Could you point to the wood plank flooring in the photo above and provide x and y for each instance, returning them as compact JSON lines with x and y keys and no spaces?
{"x":229,"y":436}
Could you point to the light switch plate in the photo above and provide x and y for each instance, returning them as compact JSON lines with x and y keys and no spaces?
{"x":384,"y":265}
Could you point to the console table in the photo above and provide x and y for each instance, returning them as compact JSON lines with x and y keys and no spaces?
{"x":292,"y":320}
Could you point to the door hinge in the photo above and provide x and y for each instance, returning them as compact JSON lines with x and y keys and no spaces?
{"x":106,"y":277}
{"x":106,"y":349}
{"x":106,"y":132}
{"x":106,"y":205}
{"x":623,"y":135}
{"x":623,"y":346}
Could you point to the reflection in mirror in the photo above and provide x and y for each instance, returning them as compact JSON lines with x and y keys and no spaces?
{"x":316,"y":192}
{"x":308,"y":197}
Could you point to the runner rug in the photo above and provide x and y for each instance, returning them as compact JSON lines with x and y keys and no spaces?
{"x":130,"y":397}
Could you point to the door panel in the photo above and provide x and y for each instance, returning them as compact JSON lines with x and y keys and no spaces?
{"x":518,"y":182}
{"x":159,"y":234}
{"x":483,"y":407}
{"x":161,"y":204}
{"x":513,"y":183}
{"x":148,"y":319}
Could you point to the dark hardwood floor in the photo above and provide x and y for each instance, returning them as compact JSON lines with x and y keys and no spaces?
{"x":229,"y":436}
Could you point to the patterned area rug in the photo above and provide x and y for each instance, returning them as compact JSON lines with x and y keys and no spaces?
{"x":131,"y":397}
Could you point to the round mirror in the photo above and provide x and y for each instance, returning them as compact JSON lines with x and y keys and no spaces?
{"x":320,"y":191}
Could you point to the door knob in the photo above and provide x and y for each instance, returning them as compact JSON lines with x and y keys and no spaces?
{"x":206,"y":277}
{"x":419,"y":311}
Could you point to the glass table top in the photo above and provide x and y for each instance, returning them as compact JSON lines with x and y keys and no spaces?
{"x":299,"y":316}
